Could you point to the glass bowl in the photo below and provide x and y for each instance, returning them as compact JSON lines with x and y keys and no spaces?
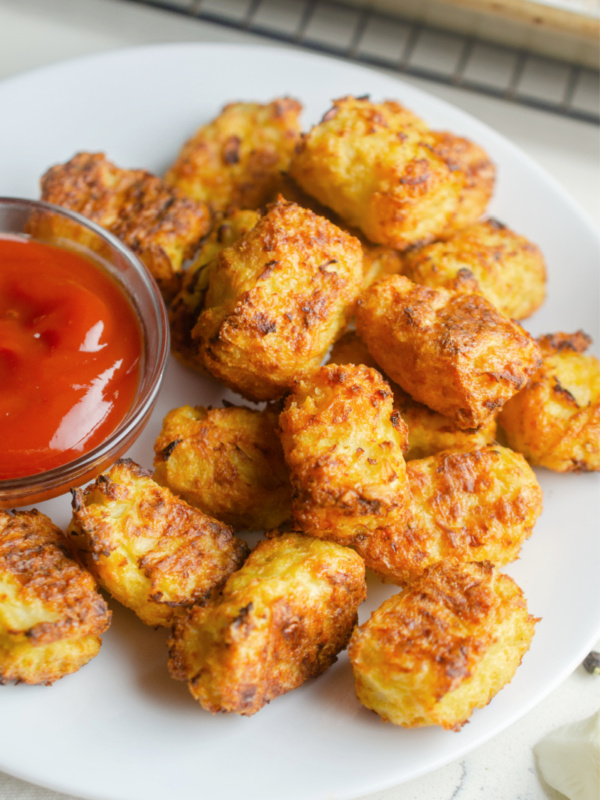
{"x":57,"y":226}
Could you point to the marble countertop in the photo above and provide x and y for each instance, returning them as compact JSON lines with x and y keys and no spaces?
{"x":36,"y":33}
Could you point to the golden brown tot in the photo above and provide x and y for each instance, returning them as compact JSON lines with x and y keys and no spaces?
{"x":375,"y":165}
{"x":488,"y":258}
{"x":453,"y":352}
{"x":280,"y":620}
{"x":228,"y":462}
{"x":51,"y":612}
{"x":476,"y":505}
{"x":235,"y":160}
{"x":152,"y":551}
{"x":443,"y":647}
{"x":276,"y":301}
{"x":343,"y":443}
{"x":555,"y":420}
{"x":156,"y":221}
{"x":428,"y":431}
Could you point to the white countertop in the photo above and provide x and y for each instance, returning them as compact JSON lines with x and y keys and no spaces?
{"x":34,"y":33}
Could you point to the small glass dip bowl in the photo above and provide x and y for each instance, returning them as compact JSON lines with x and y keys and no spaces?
{"x":52,"y":225}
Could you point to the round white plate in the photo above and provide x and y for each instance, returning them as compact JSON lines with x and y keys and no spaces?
{"x":121,"y":729}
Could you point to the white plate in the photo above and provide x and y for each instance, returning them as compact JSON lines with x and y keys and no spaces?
{"x":121,"y":729}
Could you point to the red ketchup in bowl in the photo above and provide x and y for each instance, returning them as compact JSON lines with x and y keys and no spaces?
{"x":70,"y":353}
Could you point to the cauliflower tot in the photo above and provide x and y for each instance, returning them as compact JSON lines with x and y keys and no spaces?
{"x":407,"y":195}
{"x":228,"y":462}
{"x":279,"y":621}
{"x":555,"y":420}
{"x":453,"y":352}
{"x":152,"y":551}
{"x":276,"y":300}
{"x":235,"y":160}
{"x":156,"y":221}
{"x":477,"y":505}
{"x":443,"y":647}
{"x":51,"y":612}
{"x":343,"y":443}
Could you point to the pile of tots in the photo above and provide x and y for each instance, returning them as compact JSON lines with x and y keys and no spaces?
{"x":348,"y":281}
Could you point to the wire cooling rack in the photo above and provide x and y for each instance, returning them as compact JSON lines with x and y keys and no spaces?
{"x":408,"y":47}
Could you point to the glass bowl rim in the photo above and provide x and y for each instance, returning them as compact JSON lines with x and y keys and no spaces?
{"x":151,"y":373}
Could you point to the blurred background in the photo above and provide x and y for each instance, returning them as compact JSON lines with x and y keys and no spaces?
{"x":543,"y":53}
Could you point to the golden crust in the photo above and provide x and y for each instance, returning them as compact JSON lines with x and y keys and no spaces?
{"x":488,"y":258}
{"x":462,"y":155}
{"x":228,"y":462}
{"x":279,"y":621}
{"x":477,"y":505}
{"x":407,"y":196}
{"x":189,"y":301}
{"x":157,"y":222}
{"x":152,"y":551}
{"x":477,"y":174}
{"x":235,"y":160}
{"x":453,"y":352}
{"x":343,"y":443}
{"x":428,"y":431}
{"x":276,"y":301}
{"x":442,"y":647}
{"x":51,"y":613}
{"x":555,"y":420}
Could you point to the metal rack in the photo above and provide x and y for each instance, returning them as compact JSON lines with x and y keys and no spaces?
{"x":408,"y":47}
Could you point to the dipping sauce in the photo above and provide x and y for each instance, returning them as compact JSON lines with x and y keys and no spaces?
{"x":70,"y":353}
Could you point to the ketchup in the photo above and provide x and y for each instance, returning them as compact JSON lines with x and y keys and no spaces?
{"x":70,"y":351}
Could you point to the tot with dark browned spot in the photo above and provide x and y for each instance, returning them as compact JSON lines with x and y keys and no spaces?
{"x":51,"y":612}
{"x":228,"y":462}
{"x":343,"y":443}
{"x":453,"y":352}
{"x":279,"y":621}
{"x":276,"y":301}
{"x":160,"y":224}
{"x":235,"y":160}
{"x":555,"y":420}
{"x":152,"y":551}
{"x":376,"y":165}
{"x":443,"y":647}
